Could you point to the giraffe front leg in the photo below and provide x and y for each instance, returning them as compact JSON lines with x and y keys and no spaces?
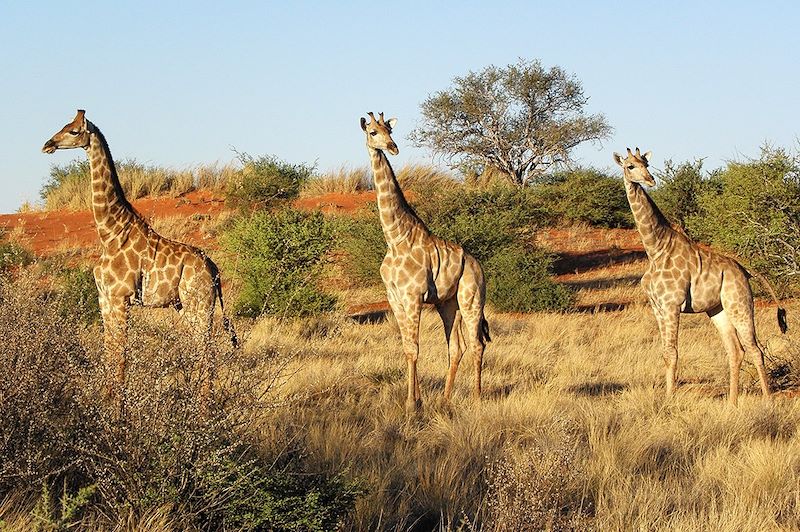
{"x":114,"y":312}
{"x":407,"y":311}
{"x":668,"y":320}
{"x":114,"y":344}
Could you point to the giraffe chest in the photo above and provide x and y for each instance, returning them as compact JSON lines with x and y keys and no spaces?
{"x":429,"y":273}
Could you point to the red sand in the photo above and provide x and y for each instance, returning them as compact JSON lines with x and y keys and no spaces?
{"x":48,"y":231}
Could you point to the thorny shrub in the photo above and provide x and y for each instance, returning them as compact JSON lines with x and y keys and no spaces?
{"x":537,"y":488}
{"x":57,"y":432}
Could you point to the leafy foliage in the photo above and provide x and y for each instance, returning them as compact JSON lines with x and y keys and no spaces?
{"x":70,"y":185}
{"x":79,"y":294}
{"x":520,"y":119}
{"x":481,"y":220}
{"x":679,"y":190}
{"x":494,"y":224}
{"x":40,"y":360}
{"x":586,"y":196}
{"x":361,"y":238}
{"x":753,"y":210}
{"x":56,"y":430}
{"x":13,"y":256}
{"x":277,"y":258}
{"x":266,"y":180}
{"x":518,"y":279}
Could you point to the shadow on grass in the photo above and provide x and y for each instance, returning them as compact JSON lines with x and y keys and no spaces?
{"x":581,"y":262}
{"x":597,"y":389}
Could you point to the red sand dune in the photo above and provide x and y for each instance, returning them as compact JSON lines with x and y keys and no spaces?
{"x":49,"y":231}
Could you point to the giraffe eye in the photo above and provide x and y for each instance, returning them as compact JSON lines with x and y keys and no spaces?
{"x":630,"y":167}
{"x":373,"y":133}
{"x":73,"y":132}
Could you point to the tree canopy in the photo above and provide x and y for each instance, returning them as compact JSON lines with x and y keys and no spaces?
{"x":520,"y":120}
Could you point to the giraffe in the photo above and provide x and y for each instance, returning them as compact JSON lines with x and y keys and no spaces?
{"x":422,"y":268}
{"x":137,"y":265}
{"x":683,"y":277}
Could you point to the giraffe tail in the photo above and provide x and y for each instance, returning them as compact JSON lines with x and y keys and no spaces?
{"x":781,"y":311}
{"x":227,"y":324}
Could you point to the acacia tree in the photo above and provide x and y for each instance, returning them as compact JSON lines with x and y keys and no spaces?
{"x":520,"y":120}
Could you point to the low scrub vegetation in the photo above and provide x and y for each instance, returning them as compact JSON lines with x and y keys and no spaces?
{"x":61,"y":446}
{"x":345,"y":180}
{"x":13,"y":255}
{"x":752,"y":209}
{"x":584,"y":196}
{"x":265,"y":181}
{"x":495,"y":225}
{"x":276,"y":259}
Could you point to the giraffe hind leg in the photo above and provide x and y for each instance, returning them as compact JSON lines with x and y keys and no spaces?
{"x":451,"y":319}
{"x":734,"y":349}
{"x":197,"y":299}
{"x":746,"y":332}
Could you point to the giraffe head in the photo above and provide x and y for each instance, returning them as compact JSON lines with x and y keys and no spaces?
{"x":73,"y":135}
{"x":634,"y":167}
{"x":379,"y":133}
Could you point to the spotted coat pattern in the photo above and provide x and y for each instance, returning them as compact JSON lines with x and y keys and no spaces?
{"x":421,"y":268}
{"x":682,"y":277}
{"x":137,"y":265}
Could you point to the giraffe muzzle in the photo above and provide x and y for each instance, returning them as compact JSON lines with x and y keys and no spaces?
{"x":49,"y":146}
{"x":392,"y":148}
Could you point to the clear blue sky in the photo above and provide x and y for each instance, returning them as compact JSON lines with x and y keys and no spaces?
{"x":180,"y":83}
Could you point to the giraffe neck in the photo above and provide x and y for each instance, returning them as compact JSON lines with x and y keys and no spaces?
{"x":652,"y":225}
{"x":112,"y":212}
{"x":397,"y":216}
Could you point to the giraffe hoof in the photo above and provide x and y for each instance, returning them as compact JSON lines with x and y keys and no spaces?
{"x":414,"y":407}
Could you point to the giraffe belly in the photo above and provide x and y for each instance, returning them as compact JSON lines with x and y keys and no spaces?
{"x":155,"y":291}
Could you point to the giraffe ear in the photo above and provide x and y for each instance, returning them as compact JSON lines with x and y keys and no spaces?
{"x":647,"y":156}
{"x":391,"y":122}
{"x":363,"y":123}
{"x":617,"y":158}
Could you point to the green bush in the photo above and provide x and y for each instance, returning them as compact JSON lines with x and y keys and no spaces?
{"x":266,"y":180}
{"x":74,"y":177}
{"x":493,"y":224}
{"x":518,"y":279}
{"x":678,"y":193}
{"x":752,"y":209}
{"x":481,"y":220}
{"x":585,"y":196}
{"x":13,"y":256}
{"x":290,"y":501}
{"x":361,"y":238}
{"x":78,"y":294}
{"x":277,"y":259}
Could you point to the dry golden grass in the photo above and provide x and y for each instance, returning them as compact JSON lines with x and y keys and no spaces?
{"x":579,"y":398}
{"x":345,"y":180}
{"x":574,"y":431}
{"x":417,"y":175}
{"x":140,"y":181}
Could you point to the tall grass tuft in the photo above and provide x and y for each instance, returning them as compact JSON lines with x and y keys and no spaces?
{"x":69,"y":185}
{"x":345,"y":180}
